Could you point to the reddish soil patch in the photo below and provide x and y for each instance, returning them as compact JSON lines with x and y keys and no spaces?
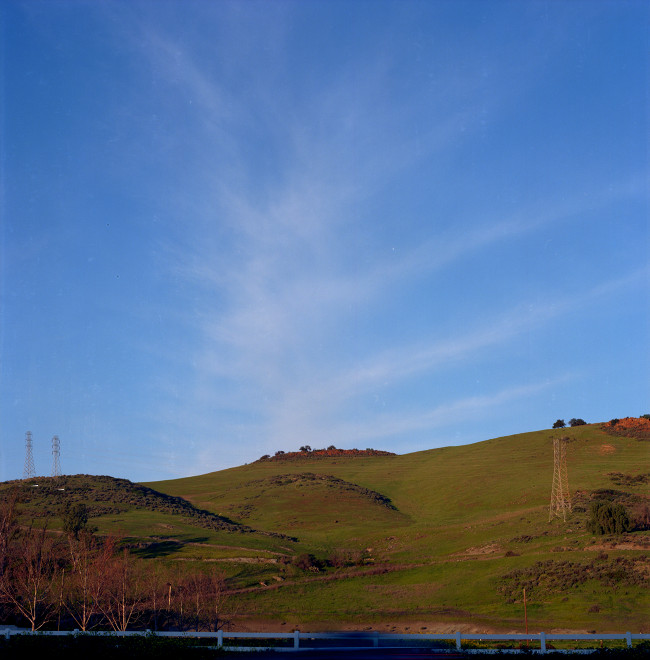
{"x":326,"y":453}
{"x":629,"y":427}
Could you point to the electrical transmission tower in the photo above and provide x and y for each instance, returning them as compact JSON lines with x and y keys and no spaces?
{"x":560,"y":499}
{"x":29,"y":472}
{"x":56,"y":452}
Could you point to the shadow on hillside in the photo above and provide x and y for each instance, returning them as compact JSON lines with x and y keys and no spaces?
{"x":166,"y":547}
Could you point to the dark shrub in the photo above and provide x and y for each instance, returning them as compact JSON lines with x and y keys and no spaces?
{"x":608,"y":518}
{"x":307,"y":562}
{"x":75,"y":519}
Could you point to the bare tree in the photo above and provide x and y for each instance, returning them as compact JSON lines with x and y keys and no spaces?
{"x":120,"y":593}
{"x":29,"y":578}
{"x":84,"y":585}
{"x":179,"y":596}
{"x":158,"y":592}
{"x":8,"y":528}
{"x":217,"y":599}
{"x":201,"y":596}
{"x":197,"y":588}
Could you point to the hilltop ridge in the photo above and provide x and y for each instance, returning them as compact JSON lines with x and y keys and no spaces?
{"x":331,"y":452}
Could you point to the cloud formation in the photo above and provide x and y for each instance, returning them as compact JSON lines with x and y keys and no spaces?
{"x":302,"y":223}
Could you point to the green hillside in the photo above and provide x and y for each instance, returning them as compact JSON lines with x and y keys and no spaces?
{"x":442,"y":539}
{"x":456,"y":526}
{"x":144,"y":517}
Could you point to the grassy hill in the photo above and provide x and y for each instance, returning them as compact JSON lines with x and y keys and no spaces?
{"x":434,"y":540}
{"x":445,"y":535}
{"x":145,"y":517}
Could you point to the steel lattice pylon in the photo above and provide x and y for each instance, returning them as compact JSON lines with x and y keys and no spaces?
{"x":56,"y":451}
{"x":560,"y":499}
{"x":29,"y":472}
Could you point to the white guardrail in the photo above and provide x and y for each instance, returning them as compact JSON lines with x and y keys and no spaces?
{"x":364,"y":640}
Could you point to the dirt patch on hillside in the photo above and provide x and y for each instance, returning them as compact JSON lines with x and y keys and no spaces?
{"x":628,"y":427}
{"x":643,"y":544}
{"x":442,"y":623}
{"x":606,"y":449}
{"x":480,"y":550}
{"x":397,"y":626}
{"x":248,"y":560}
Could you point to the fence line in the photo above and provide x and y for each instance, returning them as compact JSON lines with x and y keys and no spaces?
{"x":373,"y":638}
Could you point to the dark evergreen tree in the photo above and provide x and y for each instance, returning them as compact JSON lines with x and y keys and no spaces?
{"x":75,"y":519}
{"x":608,"y":518}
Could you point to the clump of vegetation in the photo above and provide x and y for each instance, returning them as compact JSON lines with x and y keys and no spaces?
{"x":307,"y":478}
{"x":75,"y":519}
{"x":628,"y":480}
{"x":525,"y":538}
{"x":629,"y":427}
{"x":608,"y":518}
{"x":308,"y":562}
{"x":553,"y":576}
{"x":637,"y":505}
{"x":344,"y":558}
{"x":560,"y":423}
{"x":330,"y":452}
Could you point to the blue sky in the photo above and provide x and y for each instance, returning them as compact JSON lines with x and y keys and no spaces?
{"x":230,"y":228}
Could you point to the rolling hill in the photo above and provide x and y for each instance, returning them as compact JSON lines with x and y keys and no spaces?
{"x":443,"y":533}
{"x":434,"y":540}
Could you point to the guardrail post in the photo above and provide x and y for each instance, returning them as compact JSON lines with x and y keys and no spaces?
{"x":628,"y":639}
{"x":542,"y":642}
{"x":296,"y":639}
{"x":375,"y":640}
{"x":219,"y":638}
{"x":458,"y":646}
{"x":7,"y":633}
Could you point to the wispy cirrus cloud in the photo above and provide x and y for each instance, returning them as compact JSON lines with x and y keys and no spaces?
{"x":384,"y":426}
{"x":277,"y":273}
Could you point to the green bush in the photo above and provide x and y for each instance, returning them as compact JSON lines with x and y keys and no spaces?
{"x":608,"y":518}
